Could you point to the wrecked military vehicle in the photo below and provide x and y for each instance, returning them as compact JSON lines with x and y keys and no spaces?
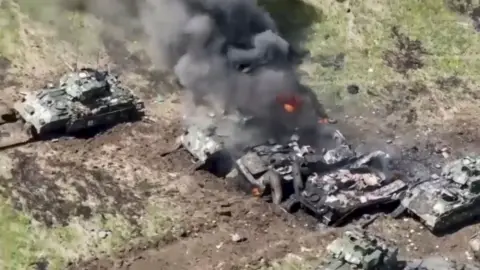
{"x":356,"y":249}
{"x":82,"y":99}
{"x":206,"y":142}
{"x":332,"y":185}
{"x":448,"y":200}
{"x":438,"y":263}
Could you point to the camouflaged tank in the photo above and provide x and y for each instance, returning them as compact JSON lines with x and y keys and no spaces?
{"x":83,"y":99}
{"x":448,"y":200}
{"x":356,"y":249}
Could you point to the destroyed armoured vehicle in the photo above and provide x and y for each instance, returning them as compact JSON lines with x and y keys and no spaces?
{"x":83,"y":99}
{"x":358,"y":250}
{"x":332,"y":185}
{"x":449,"y":200}
{"x":206,"y":143}
{"x":438,"y":263}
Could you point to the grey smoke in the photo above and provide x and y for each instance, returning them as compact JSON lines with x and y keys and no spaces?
{"x":207,"y":42}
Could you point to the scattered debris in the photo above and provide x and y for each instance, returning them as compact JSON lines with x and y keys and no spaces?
{"x":237,"y":238}
{"x":332,"y":185}
{"x":104,"y":234}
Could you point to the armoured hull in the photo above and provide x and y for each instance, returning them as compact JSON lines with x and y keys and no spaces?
{"x":82,"y":100}
{"x":357,"y":249}
{"x":335,"y":208}
{"x":332,"y":185}
{"x":449,"y":201}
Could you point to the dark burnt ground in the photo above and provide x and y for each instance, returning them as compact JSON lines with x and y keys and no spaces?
{"x":406,"y":54}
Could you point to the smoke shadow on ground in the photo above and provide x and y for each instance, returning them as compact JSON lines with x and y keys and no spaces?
{"x":294,"y":18}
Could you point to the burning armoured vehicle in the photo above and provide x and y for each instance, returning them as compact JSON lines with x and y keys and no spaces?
{"x":83,"y":99}
{"x":449,"y":200}
{"x":332,"y":185}
{"x":358,"y":250}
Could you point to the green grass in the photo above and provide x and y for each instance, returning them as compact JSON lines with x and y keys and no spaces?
{"x":44,"y":38}
{"x":32,"y":36}
{"x":364,"y":35}
{"x":25,"y":242}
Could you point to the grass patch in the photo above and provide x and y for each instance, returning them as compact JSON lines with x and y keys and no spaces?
{"x":25,"y":242}
{"x":46,"y":37}
{"x":362,"y":30}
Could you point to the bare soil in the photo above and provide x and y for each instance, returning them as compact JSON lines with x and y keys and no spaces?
{"x":216,"y":210}
{"x":120,"y":170}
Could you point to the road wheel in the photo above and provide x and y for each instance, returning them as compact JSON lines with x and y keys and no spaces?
{"x":274,"y":181}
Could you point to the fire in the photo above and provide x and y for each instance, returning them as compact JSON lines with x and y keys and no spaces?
{"x":256,"y":192}
{"x":290,"y":102}
{"x":289,"y":108}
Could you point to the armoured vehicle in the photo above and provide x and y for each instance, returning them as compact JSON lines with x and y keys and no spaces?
{"x":438,"y":263}
{"x":356,"y":249}
{"x":205,"y":141}
{"x":83,"y":99}
{"x":332,"y":185}
{"x":449,"y":200}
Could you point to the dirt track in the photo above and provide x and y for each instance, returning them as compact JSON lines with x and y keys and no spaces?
{"x":120,"y":170}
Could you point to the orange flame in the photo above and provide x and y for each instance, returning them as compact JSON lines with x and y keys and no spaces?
{"x":256,"y":192}
{"x":289,"y":107}
{"x":290,"y":102}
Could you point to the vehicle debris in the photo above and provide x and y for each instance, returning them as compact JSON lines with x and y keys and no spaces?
{"x":82,"y":100}
{"x":332,"y":185}
{"x":206,"y":143}
{"x":357,"y":249}
{"x":448,"y":201}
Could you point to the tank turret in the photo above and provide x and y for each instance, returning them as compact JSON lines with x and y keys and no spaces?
{"x":357,"y":249}
{"x":449,"y":200}
{"x":81,"y":100}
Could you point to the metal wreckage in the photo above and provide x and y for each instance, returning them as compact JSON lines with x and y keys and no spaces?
{"x":83,"y":99}
{"x":332,"y":184}
{"x":358,"y":249}
{"x":451,"y":199}
{"x":338,"y":182}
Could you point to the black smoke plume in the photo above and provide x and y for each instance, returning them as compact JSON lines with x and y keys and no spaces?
{"x":209,"y":45}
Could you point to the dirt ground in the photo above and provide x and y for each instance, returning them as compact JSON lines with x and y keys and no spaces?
{"x":119,"y":170}
{"x":111,"y":201}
